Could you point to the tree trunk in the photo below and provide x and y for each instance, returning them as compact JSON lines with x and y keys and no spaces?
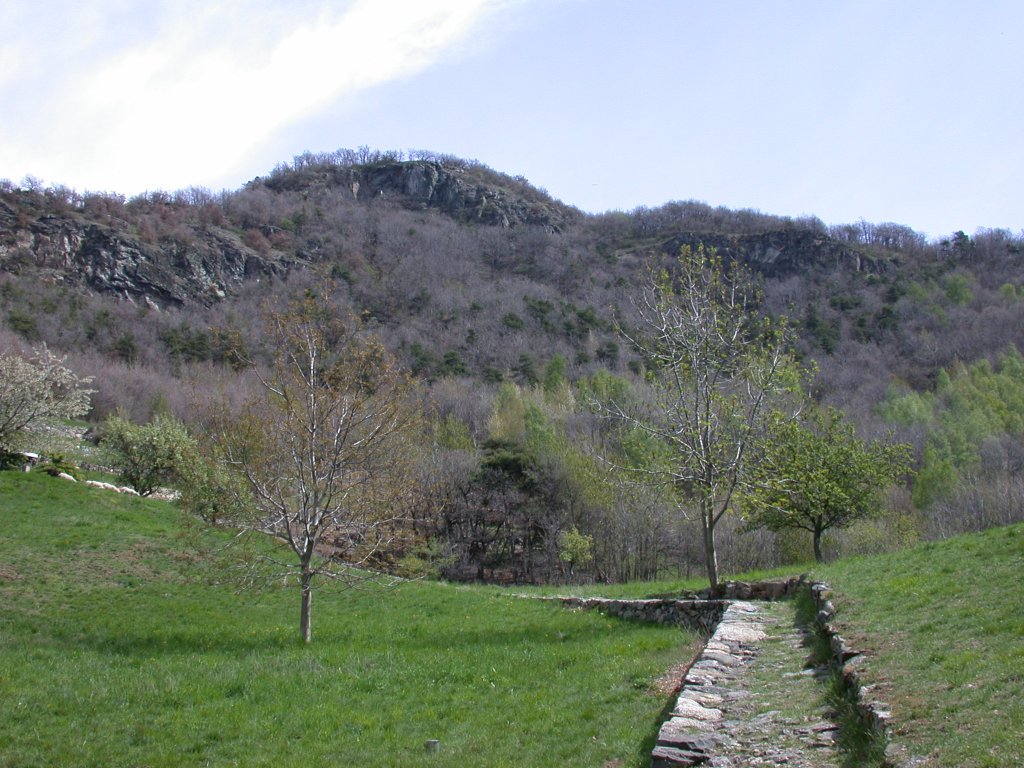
{"x":818,"y":557}
{"x":710,"y":555}
{"x":306,"y":616}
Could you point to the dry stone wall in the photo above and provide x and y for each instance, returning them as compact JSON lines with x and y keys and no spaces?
{"x":846,"y":662}
{"x":689,"y":736}
{"x":701,"y":611}
{"x":724,"y":615}
{"x":701,"y":615}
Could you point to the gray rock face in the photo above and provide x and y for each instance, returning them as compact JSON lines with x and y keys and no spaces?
{"x":462,"y":193}
{"x":431,"y":184}
{"x":780,"y":253}
{"x":110,"y":260}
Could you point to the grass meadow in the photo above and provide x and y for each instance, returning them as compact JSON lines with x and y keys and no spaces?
{"x":118,"y":649}
{"x":943,"y":627}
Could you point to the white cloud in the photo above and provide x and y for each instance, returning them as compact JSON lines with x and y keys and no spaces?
{"x":204,"y":85}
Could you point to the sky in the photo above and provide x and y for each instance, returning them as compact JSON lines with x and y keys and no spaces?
{"x":906,"y":111}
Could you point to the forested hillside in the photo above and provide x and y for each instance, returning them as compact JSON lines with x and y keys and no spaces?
{"x":508,"y":307}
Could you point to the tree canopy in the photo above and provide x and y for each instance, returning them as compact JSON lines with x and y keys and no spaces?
{"x":34,"y":389}
{"x":149,"y":455}
{"x":817,"y":475}
{"x":716,"y":366}
{"x":322,"y":448}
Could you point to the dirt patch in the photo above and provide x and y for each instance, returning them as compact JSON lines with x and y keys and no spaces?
{"x":670,"y":682}
{"x":9,"y":573}
{"x":112,"y":567}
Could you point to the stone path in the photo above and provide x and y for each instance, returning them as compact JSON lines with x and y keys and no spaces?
{"x":748,"y":699}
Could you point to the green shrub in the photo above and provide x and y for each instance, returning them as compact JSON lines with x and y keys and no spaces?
{"x":57,"y":464}
{"x":147,"y":456}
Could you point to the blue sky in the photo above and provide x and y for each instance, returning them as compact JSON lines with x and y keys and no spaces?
{"x":906,"y":111}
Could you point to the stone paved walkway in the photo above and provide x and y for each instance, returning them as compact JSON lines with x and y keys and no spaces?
{"x":748,"y":699}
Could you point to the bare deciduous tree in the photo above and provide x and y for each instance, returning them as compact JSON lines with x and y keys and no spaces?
{"x":716,"y":366}
{"x":322,"y":449}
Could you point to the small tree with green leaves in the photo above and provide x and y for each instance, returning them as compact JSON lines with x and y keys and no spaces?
{"x":148,"y":456}
{"x":575,"y":548}
{"x":817,"y":475}
{"x":209,"y":490}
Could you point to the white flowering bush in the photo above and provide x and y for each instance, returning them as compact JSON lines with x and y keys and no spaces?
{"x":35,"y":389}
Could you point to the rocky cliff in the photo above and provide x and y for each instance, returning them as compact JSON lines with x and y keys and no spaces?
{"x":109,"y":257}
{"x":108,"y":253}
{"x":170,"y":251}
{"x":783,"y":252}
{"x":464,"y":192}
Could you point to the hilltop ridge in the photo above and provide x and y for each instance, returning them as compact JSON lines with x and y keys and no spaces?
{"x":194,"y":246}
{"x":467,"y":272}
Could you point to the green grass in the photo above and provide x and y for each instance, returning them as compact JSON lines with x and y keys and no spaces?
{"x":116,"y":650}
{"x":943,"y":625}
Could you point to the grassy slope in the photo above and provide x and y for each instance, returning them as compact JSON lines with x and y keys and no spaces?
{"x":943,"y":624}
{"x":943,"y":627}
{"x":112,"y":652}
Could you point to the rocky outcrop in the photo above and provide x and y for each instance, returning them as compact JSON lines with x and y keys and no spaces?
{"x":463,"y":192}
{"x":456,"y":193}
{"x":203,"y":267}
{"x":106,"y":251}
{"x":782,"y":252}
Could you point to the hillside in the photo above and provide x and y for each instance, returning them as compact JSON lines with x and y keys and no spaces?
{"x":503,"y":302}
{"x":472,"y":273}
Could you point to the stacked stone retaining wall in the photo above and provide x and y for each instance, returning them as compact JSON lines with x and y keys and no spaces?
{"x":700,"y":615}
{"x":691,"y":733}
{"x":722,"y":615}
{"x":846,"y":662}
{"x":701,"y":611}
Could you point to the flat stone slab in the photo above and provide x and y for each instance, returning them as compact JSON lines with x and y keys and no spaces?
{"x":722,"y":657}
{"x":689,"y":724}
{"x":680,"y":732}
{"x":743,"y":632}
{"x":670,"y":757}
{"x":686,"y":707}
{"x":706,"y":698}
{"x":726,"y":715}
